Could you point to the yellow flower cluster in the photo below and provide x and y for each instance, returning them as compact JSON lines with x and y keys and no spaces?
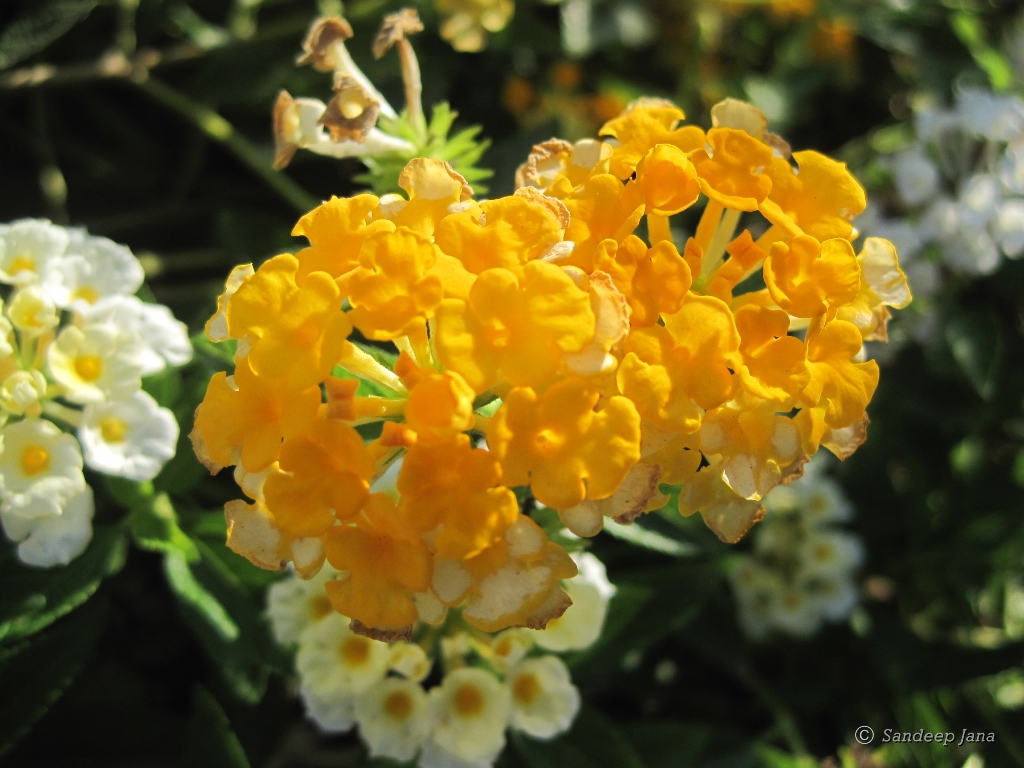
{"x":597,"y":365}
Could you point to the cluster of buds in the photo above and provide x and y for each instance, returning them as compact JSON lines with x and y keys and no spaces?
{"x":599,"y":367}
{"x":802,"y":568}
{"x":488,"y":683}
{"x":75,"y":343}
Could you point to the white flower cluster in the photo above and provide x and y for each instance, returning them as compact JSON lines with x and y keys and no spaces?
{"x":74,"y":345}
{"x":961,"y":190}
{"x":490,"y":682}
{"x":802,"y":567}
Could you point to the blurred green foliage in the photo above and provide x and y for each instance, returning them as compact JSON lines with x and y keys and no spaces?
{"x":148,"y":121}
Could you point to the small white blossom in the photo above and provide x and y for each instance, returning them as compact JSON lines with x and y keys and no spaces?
{"x":29,"y":247}
{"x":917,"y":179}
{"x":161,"y":340}
{"x":581,"y":624}
{"x":335,"y":665}
{"x":131,"y":438}
{"x":40,"y":470}
{"x":22,"y":391}
{"x":394,"y":718}
{"x":32,"y":312}
{"x":471,"y":709}
{"x":50,"y":541}
{"x":93,"y":268}
{"x":544,"y":700}
{"x":410,"y":661}
{"x":95,"y":363}
{"x":294,"y":604}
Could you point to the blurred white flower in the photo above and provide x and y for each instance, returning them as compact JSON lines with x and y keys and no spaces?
{"x":32,"y":312}
{"x":96,"y":363}
{"x":22,"y":391}
{"x":294,"y":604}
{"x":50,"y":541}
{"x":581,"y":624}
{"x":40,"y":470}
{"x":544,"y":700}
{"x":471,"y":710}
{"x":916,"y":178}
{"x":996,"y":117}
{"x":410,"y":661}
{"x":1009,"y":226}
{"x":29,"y":246}
{"x":131,"y":438}
{"x":394,"y":718}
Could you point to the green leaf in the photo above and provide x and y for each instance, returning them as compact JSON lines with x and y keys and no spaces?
{"x":35,"y":673}
{"x":219,"y":354}
{"x":639,"y":535}
{"x":33,"y":598}
{"x":154,"y":526}
{"x":551,"y":754}
{"x":775,"y":758}
{"x":165,"y":387}
{"x":193,"y":594}
{"x":975,"y":340}
{"x":971,"y":31}
{"x":210,"y":739}
{"x":226,"y":620}
{"x":597,"y":736}
{"x":35,"y":30}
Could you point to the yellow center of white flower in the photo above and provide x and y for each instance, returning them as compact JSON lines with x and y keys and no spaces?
{"x":113,"y":429}
{"x":526,"y":688}
{"x":354,"y":651}
{"x":503,"y":647}
{"x":89,"y":367}
{"x":21,"y":264}
{"x":85,"y":292}
{"x":822,"y":553}
{"x":34,"y":460}
{"x":319,"y":607}
{"x":398,"y":705}
{"x":469,"y":702}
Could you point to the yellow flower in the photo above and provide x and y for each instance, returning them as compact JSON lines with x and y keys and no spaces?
{"x":322,"y":476}
{"x":725,"y":513}
{"x":252,"y":415}
{"x":840,"y":385}
{"x":882,"y":284}
{"x":440,"y":405}
{"x":392,"y":292}
{"x":668,"y":179}
{"x":821,"y":200}
{"x":654,"y":280}
{"x":755,"y":443}
{"x":506,"y":233}
{"x":807,"y":278}
{"x":670,"y":369}
{"x":433,"y":186}
{"x":559,"y":445}
{"x":599,"y":209}
{"x":645,"y":124}
{"x":294,"y":332}
{"x":773,"y":362}
{"x":336,"y":231}
{"x":453,"y":492}
{"x":387,"y":564}
{"x":517,"y":329}
{"x":730,"y":174}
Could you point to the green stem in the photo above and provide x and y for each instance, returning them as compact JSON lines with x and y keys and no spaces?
{"x":220,"y":130}
{"x":784,"y":719}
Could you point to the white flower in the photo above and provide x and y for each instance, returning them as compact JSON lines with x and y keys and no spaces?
{"x":335,"y":663}
{"x":795,"y":611}
{"x":1011,"y":168}
{"x":1009,"y":227}
{"x":410,"y":661}
{"x":95,"y":363}
{"x":544,"y":700}
{"x":92,"y":268}
{"x":581,"y":624}
{"x":29,"y":248}
{"x":332,"y":712}
{"x":132,"y":438}
{"x":836,"y":596}
{"x":997,"y":118}
{"x":40,"y":470}
{"x":161,"y":339}
{"x":49,"y":541}
{"x":510,"y":647}
{"x":980,"y":196}
{"x":917,"y":179}
{"x":32,"y":312}
{"x":22,"y":391}
{"x":830,"y":553}
{"x":294,"y":604}
{"x":394,"y":718}
{"x":471,"y":710}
